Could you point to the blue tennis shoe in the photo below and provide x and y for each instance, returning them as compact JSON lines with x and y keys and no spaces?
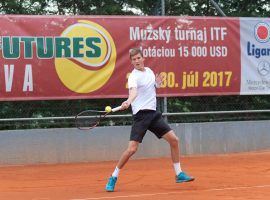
{"x":183,"y":177}
{"x":111,"y":184}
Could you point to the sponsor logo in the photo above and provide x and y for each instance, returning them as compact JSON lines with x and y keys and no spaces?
{"x":84,"y":54}
{"x":262,"y":35}
{"x":263,"y":68}
{"x":262,"y":32}
{"x":93,"y":57}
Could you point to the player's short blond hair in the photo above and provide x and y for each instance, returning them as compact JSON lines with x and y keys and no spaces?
{"x":134,"y":51}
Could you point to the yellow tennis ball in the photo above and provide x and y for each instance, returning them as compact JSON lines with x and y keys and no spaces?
{"x":108,"y":109}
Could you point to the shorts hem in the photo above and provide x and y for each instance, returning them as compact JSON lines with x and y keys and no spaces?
{"x":164,"y":133}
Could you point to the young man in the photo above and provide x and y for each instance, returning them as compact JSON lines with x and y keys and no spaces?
{"x":142,"y":85}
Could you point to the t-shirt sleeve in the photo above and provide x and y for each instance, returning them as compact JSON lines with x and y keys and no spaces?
{"x":132,"y":81}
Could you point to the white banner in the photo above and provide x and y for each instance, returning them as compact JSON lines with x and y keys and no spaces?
{"x":255,"y":56}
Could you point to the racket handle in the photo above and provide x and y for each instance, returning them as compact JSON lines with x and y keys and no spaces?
{"x":117,"y":108}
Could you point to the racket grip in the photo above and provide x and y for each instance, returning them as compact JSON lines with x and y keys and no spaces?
{"x":117,"y":108}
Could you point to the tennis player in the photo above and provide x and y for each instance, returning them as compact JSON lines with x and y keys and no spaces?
{"x":142,"y":84}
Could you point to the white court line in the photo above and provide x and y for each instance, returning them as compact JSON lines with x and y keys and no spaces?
{"x":179,"y":192}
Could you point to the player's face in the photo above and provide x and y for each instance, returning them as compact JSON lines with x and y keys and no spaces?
{"x":138,"y":62}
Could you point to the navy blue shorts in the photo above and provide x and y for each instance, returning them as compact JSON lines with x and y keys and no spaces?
{"x":148,"y":120}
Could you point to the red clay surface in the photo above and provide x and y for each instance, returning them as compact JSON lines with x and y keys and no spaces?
{"x":242,"y":176}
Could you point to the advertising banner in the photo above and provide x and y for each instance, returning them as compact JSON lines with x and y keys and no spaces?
{"x":78,"y":57}
{"x":255,"y":56}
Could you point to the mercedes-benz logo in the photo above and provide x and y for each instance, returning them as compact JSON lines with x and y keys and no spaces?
{"x":264,"y":68}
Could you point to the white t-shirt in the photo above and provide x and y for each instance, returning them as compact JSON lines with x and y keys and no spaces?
{"x":144,"y":81}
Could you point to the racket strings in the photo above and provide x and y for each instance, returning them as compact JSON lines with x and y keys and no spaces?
{"x":88,"y":119}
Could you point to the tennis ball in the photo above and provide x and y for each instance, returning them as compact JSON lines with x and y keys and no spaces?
{"x":108,"y":109}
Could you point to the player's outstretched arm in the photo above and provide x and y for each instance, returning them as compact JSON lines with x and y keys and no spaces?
{"x":131,"y":97}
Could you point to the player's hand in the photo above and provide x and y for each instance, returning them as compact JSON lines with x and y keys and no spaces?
{"x":125,"y":105}
{"x":159,"y":80}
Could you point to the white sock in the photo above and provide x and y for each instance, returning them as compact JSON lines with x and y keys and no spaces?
{"x":177,"y":168}
{"x":116,"y":172}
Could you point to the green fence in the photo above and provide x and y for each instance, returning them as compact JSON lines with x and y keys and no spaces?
{"x":53,"y":114}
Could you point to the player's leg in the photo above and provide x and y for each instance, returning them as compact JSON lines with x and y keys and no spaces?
{"x":138,"y":130}
{"x":131,"y":150}
{"x":162,"y":130}
{"x":173,"y":140}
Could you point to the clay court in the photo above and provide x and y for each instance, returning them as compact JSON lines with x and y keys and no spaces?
{"x":218,"y":177}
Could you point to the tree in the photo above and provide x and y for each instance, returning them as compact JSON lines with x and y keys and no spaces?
{"x":93,"y":7}
{"x":233,"y":8}
{"x":33,"y":7}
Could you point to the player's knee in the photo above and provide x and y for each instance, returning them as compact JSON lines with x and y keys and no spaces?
{"x":132,"y":150}
{"x":175,"y":141}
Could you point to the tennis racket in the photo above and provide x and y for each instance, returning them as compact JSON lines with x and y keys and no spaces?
{"x":89,"y":119}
